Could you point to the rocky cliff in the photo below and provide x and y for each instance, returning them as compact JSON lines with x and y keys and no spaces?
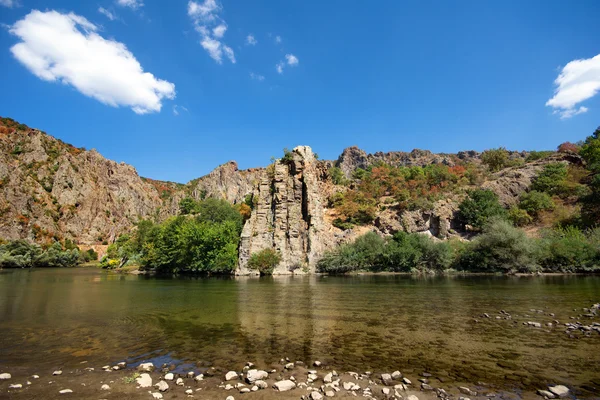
{"x":50,"y":190}
{"x":288,"y":216}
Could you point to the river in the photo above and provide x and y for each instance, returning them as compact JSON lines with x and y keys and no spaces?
{"x":57,"y":318}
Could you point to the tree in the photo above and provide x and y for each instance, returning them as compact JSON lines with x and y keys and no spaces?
{"x":187,"y":206}
{"x":479,"y":207}
{"x":495,"y":159}
{"x":534,"y":202}
{"x":568,"y":147}
{"x":337,"y":176}
{"x":552,"y":179}
{"x":264,"y":261}
{"x":590,"y":151}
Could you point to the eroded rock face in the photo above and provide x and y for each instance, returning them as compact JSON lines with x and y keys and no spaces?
{"x":288,"y":216}
{"x":226,"y":182}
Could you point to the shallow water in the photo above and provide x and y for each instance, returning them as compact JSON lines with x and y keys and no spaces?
{"x":58,"y":318}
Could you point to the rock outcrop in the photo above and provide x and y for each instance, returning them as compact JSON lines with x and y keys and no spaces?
{"x":288,"y":216}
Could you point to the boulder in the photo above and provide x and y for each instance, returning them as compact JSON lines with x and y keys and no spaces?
{"x":231,"y":375}
{"x":387,"y":379}
{"x":559,"y":390}
{"x":284,"y":386}
{"x":316,"y":396}
{"x":5,"y":376}
{"x":254,"y":375}
{"x":162,"y":386}
{"x":146,"y":367}
{"x":144,"y":380}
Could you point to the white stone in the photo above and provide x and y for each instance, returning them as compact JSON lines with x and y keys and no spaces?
{"x":316,"y":396}
{"x":179,"y":382}
{"x":144,"y":380}
{"x":199,"y":378}
{"x":231,"y":375}
{"x":16,"y":386}
{"x":146,"y":367}
{"x":157,"y":395}
{"x":255,"y":388}
{"x":289,"y":366}
{"x":169,"y":376}
{"x":35,"y":376}
{"x":546,"y":393}
{"x":245,"y":390}
{"x":57,"y":373}
{"x":190,"y":374}
{"x":261,"y":384}
{"x":386,"y":391}
{"x":283,"y":386}
{"x":5,"y":376}
{"x":162,"y":386}
{"x":396,"y":375}
{"x":254,"y":375}
{"x":559,"y":390}
{"x":412,"y":397}
{"x":65,"y":391}
{"x":116,"y":368}
{"x":189,"y":391}
{"x":406,"y":381}
{"x":105,"y":387}
{"x":230,"y":398}
{"x":317,"y":363}
{"x":329,"y":393}
{"x":328,"y":378}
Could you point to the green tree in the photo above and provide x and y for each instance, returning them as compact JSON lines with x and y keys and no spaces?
{"x":479,"y":207}
{"x":533,"y":202}
{"x":551,"y":179}
{"x":264,"y":261}
{"x":187,"y":206}
{"x":495,"y":159}
{"x":337,"y":176}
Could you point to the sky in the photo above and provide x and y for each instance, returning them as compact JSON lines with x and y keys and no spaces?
{"x":178,"y":87}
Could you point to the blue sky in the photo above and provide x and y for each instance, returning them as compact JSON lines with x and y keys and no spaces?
{"x":388,"y":75}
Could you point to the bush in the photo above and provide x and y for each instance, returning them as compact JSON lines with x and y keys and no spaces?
{"x":500,"y":248}
{"x":337,"y":176}
{"x":552,"y":179}
{"x":495,"y":159}
{"x":22,"y":254}
{"x":570,"y":250}
{"x":519,"y":217}
{"x":537,"y":155}
{"x":568,"y":147}
{"x":534,"y":202}
{"x":264,"y":261}
{"x":479,"y":207}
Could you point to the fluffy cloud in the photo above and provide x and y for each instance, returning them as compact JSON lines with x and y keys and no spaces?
{"x":257,"y":77}
{"x":67,"y":48}
{"x":578,"y":81}
{"x":134,"y":4}
{"x":8,"y":3}
{"x":107,"y":13}
{"x":251,"y":40}
{"x":211,"y":28}
{"x":290,"y":59}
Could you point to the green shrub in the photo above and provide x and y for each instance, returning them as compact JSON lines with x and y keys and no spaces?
{"x":495,"y":159}
{"x":500,"y":248}
{"x":534,"y":202}
{"x":551,"y":179}
{"x":22,"y":254}
{"x":537,"y":155}
{"x":519,"y":217}
{"x":264,"y":261}
{"x":337,"y":176}
{"x":479,"y":207}
{"x":570,"y":250}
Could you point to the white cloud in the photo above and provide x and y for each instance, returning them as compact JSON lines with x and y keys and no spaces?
{"x":133,"y":4}
{"x":251,"y":40}
{"x":107,"y":13}
{"x":67,"y":48}
{"x":578,"y":81}
{"x":211,"y":28}
{"x":219,"y":31}
{"x":9,"y":3}
{"x":279,"y":67}
{"x":257,"y":77}
{"x":291,"y":59}
{"x":278,"y":39}
{"x":176,"y":109}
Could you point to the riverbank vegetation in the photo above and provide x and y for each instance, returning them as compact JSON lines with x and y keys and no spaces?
{"x":202,"y":239}
{"x":23,"y":254}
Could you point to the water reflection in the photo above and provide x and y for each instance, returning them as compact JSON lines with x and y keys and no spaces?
{"x":57,"y":318}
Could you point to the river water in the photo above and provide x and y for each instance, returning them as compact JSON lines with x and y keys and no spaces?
{"x":57,"y":318}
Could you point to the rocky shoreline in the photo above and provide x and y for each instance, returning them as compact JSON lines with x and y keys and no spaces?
{"x":283,"y":380}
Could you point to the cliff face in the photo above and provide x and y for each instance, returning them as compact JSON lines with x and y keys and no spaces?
{"x":51,"y":190}
{"x":288,"y":216}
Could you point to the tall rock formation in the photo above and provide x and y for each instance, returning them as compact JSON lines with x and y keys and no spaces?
{"x":288,"y":216}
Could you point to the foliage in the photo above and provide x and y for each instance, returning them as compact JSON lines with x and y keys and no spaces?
{"x":590,"y":151}
{"x":205,"y":242}
{"x":495,"y":159}
{"x":519,"y":217}
{"x":479,"y":207}
{"x":187,"y":205}
{"x":264,"y":261}
{"x":288,"y":156}
{"x":568,"y":147}
{"x":337,"y":176}
{"x":403,"y":252}
{"x":534,"y":202}
{"x":538,"y":155}
{"x":22,"y":254}
{"x":570,"y":250}
{"x":500,"y":248}
{"x":551,"y":179}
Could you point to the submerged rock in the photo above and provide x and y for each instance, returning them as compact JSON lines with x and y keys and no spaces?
{"x":105,"y":387}
{"x":559,"y":390}
{"x":254,"y":375}
{"x":547,"y":394}
{"x":146,"y":367}
{"x":65,"y":391}
{"x":16,"y":386}
{"x":5,"y":376}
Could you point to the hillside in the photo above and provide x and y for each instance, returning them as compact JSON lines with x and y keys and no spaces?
{"x":299,"y":205}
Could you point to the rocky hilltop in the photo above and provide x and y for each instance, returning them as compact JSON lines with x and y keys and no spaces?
{"x":50,"y":190}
